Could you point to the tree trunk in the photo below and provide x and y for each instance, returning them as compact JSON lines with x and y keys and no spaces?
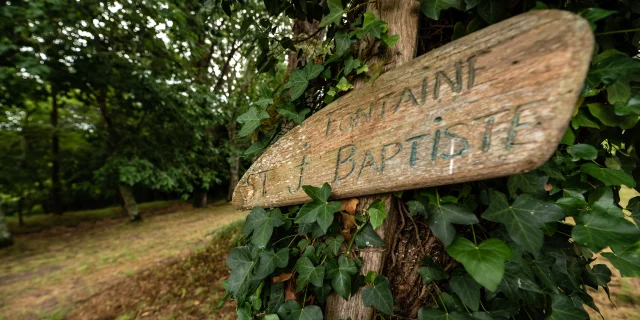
{"x":406,"y":243}
{"x":56,"y":187}
{"x":130,"y":205}
{"x":20,"y":208}
{"x":199,"y":198}
{"x":234,"y":172}
{"x":5,"y":235}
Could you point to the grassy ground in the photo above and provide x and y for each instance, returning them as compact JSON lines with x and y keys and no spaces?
{"x":40,"y":222}
{"x":45,"y":274}
{"x":169,"y":267}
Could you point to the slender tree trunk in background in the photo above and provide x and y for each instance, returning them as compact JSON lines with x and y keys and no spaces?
{"x":199,"y":197}
{"x":130,"y":205}
{"x":234,"y":171}
{"x":20,"y":208}
{"x":56,"y":186}
{"x":5,"y":235}
{"x":406,"y":243}
{"x":127,"y":199}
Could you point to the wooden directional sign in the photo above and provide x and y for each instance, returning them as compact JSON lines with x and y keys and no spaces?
{"x":491,"y":104}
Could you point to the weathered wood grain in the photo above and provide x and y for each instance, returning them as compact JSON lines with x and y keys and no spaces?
{"x":491,"y":104}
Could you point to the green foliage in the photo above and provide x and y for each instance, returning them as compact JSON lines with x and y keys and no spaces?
{"x":524,"y":244}
{"x":378,"y":295}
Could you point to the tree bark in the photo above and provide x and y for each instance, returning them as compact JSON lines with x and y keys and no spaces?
{"x":406,"y":243}
{"x":199,"y":198}
{"x":5,"y":235}
{"x":130,"y":205}
{"x":56,"y":186}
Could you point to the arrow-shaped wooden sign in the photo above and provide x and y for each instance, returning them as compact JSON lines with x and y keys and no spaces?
{"x":494,"y":103}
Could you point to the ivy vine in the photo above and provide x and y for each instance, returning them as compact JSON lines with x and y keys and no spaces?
{"x":527,"y":246}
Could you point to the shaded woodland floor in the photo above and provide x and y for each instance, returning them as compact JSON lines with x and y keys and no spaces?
{"x":51,"y":274}
{"x":169,"y":267}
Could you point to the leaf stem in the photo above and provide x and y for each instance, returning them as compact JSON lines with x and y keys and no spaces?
{"x":617,"y":31}
{"x":475,"y":242}
{"x":293,"y":235}
{"x":354,"y":237}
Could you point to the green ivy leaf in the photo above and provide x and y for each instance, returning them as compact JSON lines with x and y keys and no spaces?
{"x":378,"y":295}
{"x":415,"y":208}
{"x":492,"y":11}
{"x":264,"y":102}
{"x":430,"y":271}
{"x":541,"y":268}
{"x":612,"y":69}
{"x":597,"y":230}
{"x":244,"y":313}
{"x":485,"y":263}
{"x":343,"y":42}
{"x":529,"y":182}
{"x":271,"y":317}
{"x":241,"y":264}
{"x":371,"y":25}
{"x":601,"y":200}
{"x":602,"y":275}
{"x":341,"y":275}
{"x":270,"y":260}
{"x":308,"y":273}
{"x":432,"y":8}
{"x":378,"y":213}
{"x":261,"y":224}
{"x":627,"y":260}
{"x":619,"y":91}
{"x":610,"y":177}
{"x":291,"y":310}
{"x":299,"y":79}
{"x":442,"y":217}
{"x":523,"y":219}
{"x":319,"y":209}
{"x":251,"y":121}
{"x":582,"y":151}
{"x":389,"y":40}
{"x":288,"y":112}
{"x":343,"y":85}
{"x":437,"y":314}
{"x":334,"y":244}
{"x":350,"y":64}
{"x":606,"y":115}
{"x":593,"y":15}
{"x":563,"y":308}
{"x":471,"y":4}
{"x":467,"y":289}
{"x":631,"y":107}
{"x":582,"y":120}
{"x":367,"y":238}
{"x":336,"y":11}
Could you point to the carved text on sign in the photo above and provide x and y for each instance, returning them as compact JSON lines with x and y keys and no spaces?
{"x":491,"y":104}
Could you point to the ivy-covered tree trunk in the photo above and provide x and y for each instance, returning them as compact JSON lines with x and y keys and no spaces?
{"x":56,"y":186}
{"x":130,"y":205}
{"x":5,"y":235}
{"x":407,"y":242}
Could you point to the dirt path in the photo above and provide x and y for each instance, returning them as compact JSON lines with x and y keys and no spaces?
{"x":42,"y":276}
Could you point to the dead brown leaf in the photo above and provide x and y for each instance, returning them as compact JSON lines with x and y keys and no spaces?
{"x":348,"y":221}
{"x":349,"y":205}
{"x":346,"y":234}
{"x":290,"y":290}
{"x":282,"y":277}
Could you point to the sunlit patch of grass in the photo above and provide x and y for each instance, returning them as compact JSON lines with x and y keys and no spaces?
{"x":129,"y":316}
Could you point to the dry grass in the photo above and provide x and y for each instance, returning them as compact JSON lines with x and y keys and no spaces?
{"x":43,"y":276}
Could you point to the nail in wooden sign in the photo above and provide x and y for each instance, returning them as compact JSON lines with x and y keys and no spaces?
{"x":494,"y":103}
